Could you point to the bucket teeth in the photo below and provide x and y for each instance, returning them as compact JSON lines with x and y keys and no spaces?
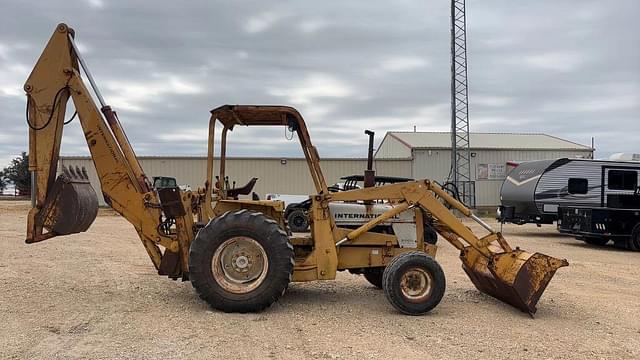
{"x":76,"y":174}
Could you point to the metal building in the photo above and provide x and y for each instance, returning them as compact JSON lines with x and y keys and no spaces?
{"x":275,"y":175}
{"x":492,"y":156}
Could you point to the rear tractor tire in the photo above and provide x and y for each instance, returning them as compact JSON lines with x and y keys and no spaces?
{"x":298,"y":220}
{"x":241,"y":261}
{"x":414,"y":283}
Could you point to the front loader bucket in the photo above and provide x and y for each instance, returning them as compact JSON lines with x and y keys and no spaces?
{"x":516,"y":277}
{"x":71,"y":205}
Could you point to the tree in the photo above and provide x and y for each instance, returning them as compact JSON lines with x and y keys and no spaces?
{"x":3,"y":182}
{"x":18,"y":174}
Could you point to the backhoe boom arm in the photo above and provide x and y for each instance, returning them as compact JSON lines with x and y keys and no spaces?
{"x":55,"y":79}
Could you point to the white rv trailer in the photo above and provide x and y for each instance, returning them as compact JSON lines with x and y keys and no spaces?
{"x":534,"y":190}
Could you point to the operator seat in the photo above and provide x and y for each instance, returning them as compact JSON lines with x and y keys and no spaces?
{"x":245,"y":190}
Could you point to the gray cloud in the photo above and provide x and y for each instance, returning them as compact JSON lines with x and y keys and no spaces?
{"x":570,"y":68}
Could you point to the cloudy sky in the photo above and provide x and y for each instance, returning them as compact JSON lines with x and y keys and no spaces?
{"x":569,"y":68}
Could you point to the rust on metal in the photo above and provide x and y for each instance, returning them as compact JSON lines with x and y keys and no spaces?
{"x":517,"y":278}
{"x":71,"y":205}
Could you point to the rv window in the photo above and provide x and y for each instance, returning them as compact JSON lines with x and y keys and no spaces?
{"x":578,"y":186}
{"x":623,"y":180}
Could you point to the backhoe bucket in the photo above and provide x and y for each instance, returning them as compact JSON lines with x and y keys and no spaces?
{"x":516,"y":277}
{"x":71,"y":205}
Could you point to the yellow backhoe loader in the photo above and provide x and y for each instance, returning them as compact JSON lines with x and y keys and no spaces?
{"x":236,"y":252}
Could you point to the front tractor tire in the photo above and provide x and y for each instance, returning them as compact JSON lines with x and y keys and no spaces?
{"x":241,"y":262}
{"x":414,"y":283}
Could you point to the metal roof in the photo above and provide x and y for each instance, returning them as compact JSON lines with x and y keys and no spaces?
{"x":442,"y":140}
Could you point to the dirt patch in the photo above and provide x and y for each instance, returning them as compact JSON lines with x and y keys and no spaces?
{"x":96,"y":295}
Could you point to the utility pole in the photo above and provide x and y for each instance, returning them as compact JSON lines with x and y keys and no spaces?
{"x":460,"y":153}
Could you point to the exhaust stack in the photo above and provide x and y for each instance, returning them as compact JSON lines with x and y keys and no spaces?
{"x":370,"y":174}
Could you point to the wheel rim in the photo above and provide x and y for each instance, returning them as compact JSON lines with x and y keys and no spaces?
{"x":240,"y":265}
{"x":416,"y":284}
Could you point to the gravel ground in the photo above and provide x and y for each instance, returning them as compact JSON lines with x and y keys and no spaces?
{"x":96,"y":295}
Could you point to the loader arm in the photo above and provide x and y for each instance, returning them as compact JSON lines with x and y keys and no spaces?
{"x":513,"y":276}
{"x":54,"y":79}
{"x":423,"y":194}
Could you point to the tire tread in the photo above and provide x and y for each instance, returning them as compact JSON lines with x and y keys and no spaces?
{"x":391,"y":282}
{"x":274,"y":241}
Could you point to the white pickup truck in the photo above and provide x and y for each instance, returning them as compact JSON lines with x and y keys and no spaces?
{"x":289,"y":199}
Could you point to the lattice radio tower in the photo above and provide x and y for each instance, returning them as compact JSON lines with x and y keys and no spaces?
{"x":460,"y":154}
